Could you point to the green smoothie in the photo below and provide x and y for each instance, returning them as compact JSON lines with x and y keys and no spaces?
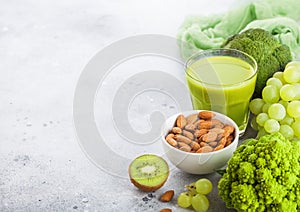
{"x":224,"y":84}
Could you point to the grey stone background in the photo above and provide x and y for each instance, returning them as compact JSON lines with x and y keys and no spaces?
{"x":44,"y":45}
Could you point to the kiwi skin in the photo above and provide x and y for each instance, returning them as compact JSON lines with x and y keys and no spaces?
{"x":148,"y":188}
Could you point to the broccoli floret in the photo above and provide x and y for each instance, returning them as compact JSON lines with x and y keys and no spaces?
{"x":270,"y":55}
{"x":263,"y":175}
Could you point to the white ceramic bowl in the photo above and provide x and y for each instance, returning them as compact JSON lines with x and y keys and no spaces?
{"x":198,"y":163}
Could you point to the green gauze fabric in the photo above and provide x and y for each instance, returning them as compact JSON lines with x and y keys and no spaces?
{"x":206,"y":32}
{"x":272,"y":8}
{"x":284,"y":30}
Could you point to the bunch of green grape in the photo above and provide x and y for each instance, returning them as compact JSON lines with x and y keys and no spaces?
{"x":279,"y":108}
{"x":195,"y":196}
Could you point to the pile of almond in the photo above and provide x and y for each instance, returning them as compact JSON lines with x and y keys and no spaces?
{"x":200,"y":133}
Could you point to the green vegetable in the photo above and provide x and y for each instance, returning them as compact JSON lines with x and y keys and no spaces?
{"x":284,"y":30}
{"x":263,"y":175}
{"x":270,"y":55}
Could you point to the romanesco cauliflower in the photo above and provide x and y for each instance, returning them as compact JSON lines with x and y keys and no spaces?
{"x":263,"y":175}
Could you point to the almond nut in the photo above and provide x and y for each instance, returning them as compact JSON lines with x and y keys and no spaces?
{"x":185,"y":148}
{"x":171,"y":141}
{"x":190,"y":127}
{"x":205,"y":124}
{"x":188,"y":134}
{"x":195,"y":146}
{"x":181,"y":144}
{"x":176,"y":130}
{"x":207,"y":149}
{"x":181,"y":138}
{"x":167,"y":196}
{"x":206,"y":115}
{"x":229,"y":129}
{"x":213,"y":144}
{"x":198,"y":122}
{"x":170,"y":135}
{"x":219,"y":147}
{"x":220,"y":136}
{"x":223,"y":141}
{"x":180,"y":121}
{"x":199,"y":133}
{"x":210,"y":137}
{"x":228,"y":143}
{"x":202,"y":144}
{"x":229,"y":138}
{"x":166,"y":210}
{"x":217,"y":123}
{"x":199,"y":150}
{"x":217,"y":130}
{"x":192,"y":118}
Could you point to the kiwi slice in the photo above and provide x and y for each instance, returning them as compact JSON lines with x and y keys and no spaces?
{"x":148,"y":172}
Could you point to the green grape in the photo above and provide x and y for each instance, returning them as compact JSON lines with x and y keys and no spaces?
{"x":191,"y":188}
{"x":293,"y":63}
{"x":184,"y":200}
{"x":291,"y":74}
{"x":284,"y":103}
{"x":279,"y":75}
{"x":254,"y":124}
{"x":265,"y":108}
{"x":200,"y":203}
{"x":287,"y":120}
{"x":272,"y":126}
{"x":261,"y":119}
{"x":287,"y":131}
{"x":261,"y":132}
{"x":276,"y":111}
{"x":274,"y":81}
{"x":296,"y":88}
{"x":270,"y":94}
{"x":287,"y":92}
{"x":203,"y":186}
{"x":293,"y":109}
{"x":296,"y":128}
{"x":256,"y":105}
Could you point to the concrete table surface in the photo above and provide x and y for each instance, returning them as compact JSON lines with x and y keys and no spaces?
{"x":44,"y":46}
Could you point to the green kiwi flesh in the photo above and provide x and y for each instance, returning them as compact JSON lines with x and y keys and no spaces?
{"x":148,"y":172}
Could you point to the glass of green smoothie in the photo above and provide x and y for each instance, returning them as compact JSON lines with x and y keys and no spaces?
{"x":222,"y":80}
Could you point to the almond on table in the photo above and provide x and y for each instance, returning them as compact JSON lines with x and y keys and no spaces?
{"x":166,"y":210}
{"x":167,"y":196}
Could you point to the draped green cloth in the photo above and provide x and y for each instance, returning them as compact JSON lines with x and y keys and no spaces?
{"x":278,"y":17}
